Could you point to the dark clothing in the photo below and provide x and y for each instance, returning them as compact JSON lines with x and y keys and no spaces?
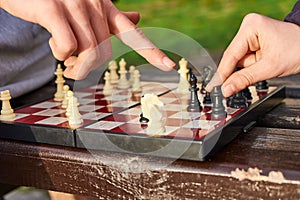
{"x":26,"y":61}
{"x":294,"y":15}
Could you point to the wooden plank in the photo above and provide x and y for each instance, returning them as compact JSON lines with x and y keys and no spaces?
{"x":286,"y":115}
{"x":265,"y":148}
{"x":112,"y":175}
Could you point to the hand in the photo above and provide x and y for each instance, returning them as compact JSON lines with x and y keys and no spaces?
{"x":264,"y":47}
{"x":79,"y":26}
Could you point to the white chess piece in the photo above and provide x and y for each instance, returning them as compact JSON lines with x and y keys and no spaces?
{"x":131,"y":72}
{"x":70,"y":94}
{"x":183,"y":85}
{"x":107,"y":88}
{"x":66,"y":88}
{"x":59,"y":96}
{"x":123,"y":82}
{"x":152,"y":109}
{"x":75,"y":117}
{"x":7,"y":113}
{"x":114,"y":77}
{"x":136,"y":85}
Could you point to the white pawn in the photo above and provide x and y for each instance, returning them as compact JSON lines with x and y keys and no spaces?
{"x":131,"y":72}
{"x":183,"y":85}
{"x":136,"y":85}
{"x":123,"y":82}
{"x":75,"y":117}
{"x":114,"y":77}
{"x":70,"y":94}
{"x":108,"y":88}
{"x":66,"y":88}
{"x":59,"y":96}
{"x":7,"y":113}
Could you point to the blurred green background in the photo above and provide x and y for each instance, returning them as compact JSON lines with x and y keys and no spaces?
{"x":213,"y":23}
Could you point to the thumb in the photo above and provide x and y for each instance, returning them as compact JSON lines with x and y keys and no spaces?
{"x":246,"y":77}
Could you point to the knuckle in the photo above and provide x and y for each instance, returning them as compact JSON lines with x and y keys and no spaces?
{"x":64,"y":51}
{"x":252,"y":19}
{"x":244,"y":79}
{"x":68,"y":48}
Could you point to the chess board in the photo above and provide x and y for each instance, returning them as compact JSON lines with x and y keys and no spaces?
{"x":111,"y":122}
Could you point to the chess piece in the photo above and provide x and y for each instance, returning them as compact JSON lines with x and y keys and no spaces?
{"x":143,"y":119}
{"x":7,"y":113}
{"x":238,"y":100}
{"x":246,"y":92}
{"x":155,"y":124}
{"x":207,"y":98}
{"x":183,"y":85}
{"x":59,"y":95}
{"x":66,"y":88}
{"x":131,"y":72}
{"x":123,"y":82}
{"x":107,"y":88}
{"x":207,"y":75}
{"x":75,"y":117}
{"x":218,"y":109}
{"x":228,"y":100}
{"x":70,"y":94}
{"x":194,"y":103}
{"x":136,"y":85}
{"x":114,"y":77}
{"x":262,"y":86}
{"x":152,"y":109}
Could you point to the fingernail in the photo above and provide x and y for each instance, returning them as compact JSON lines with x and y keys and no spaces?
{"x":227,"y":90}
{"x":168,"y":63}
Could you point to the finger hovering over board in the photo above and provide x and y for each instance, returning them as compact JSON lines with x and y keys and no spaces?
{"x":128,"y":33}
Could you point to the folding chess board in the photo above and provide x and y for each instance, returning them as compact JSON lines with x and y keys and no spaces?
{"x":111,"y":122}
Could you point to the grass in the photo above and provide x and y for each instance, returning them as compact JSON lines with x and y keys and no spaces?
{"x":213,"y":23}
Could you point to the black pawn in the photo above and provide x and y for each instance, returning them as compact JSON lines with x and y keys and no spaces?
{"x":238,"y":101}
{"x":194,"y":104}
{"x":218,"y":109}
{"x":246,"y":92}
{"x":228,"y":101}
{"x":262,"y":86}
{"x":207,"y":98}
{"x":143,"y":119}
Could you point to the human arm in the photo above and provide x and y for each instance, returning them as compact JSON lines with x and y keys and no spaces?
{"x":80,"y":26}
{"x":264,"y":47}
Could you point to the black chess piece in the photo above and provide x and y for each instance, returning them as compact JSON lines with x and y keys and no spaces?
{"x":143,"y":119}
{"x":207,"y":98}
{"x":262,"y":86}
{"x":246,"y":92}
{"x":207,"y":75}
{"x":228,"y":100}
{"x":194,"y":103}
{"x":238,"y":100}
{"x":218,"y":109}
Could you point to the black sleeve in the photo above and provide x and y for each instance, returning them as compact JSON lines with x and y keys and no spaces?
{"x":294,"y":15}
